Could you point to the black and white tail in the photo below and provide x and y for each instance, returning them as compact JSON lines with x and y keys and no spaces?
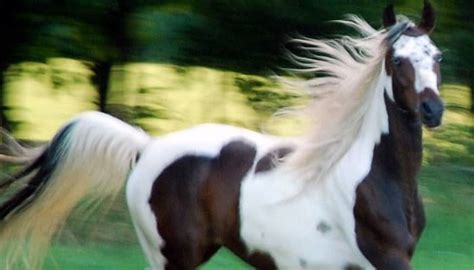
{"x":90,"y":157}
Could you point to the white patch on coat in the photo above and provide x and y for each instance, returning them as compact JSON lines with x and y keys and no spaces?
{"x":421,"y":52}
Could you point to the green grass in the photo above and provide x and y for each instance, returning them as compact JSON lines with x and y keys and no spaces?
{"x":96,"y":257}
{"x":122,"y":257}
{"x":448,"y":240}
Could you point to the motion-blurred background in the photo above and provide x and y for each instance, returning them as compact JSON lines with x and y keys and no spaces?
{"x":166,"y":65}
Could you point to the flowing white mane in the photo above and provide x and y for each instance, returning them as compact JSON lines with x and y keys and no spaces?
{"x":350,"y":71}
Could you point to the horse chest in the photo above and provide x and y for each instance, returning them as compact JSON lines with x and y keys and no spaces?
{"x":387,"y":223}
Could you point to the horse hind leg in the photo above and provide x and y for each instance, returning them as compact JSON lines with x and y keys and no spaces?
{"x":182,"y":244}
{"x":152,"y":251}
{"x":174,"y":256}
{"x":186,"y":243}
{"x":144,"y":222}
{"x":187,"y":256}
{"x":150,"y":241}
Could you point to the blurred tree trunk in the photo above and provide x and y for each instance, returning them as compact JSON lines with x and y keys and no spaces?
{"x":4,"y":20}
{"x":114,"y":27}
{"x":462,"y":44}
{"x":8,"y":31}
{"x":101,"y":79}
{"x":4,"y":123}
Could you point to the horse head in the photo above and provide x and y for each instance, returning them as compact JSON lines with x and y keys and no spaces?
{"x":413,"y":63}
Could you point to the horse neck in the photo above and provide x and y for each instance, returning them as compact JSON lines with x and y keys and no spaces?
{"x":398,"y":157}
{"x":400,"y":151}
{"x":392,"y":178}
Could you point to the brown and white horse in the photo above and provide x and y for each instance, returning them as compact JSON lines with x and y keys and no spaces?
{"x":344,"y":196}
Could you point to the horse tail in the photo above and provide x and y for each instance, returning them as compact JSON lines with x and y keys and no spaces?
{"x":89,"y":158}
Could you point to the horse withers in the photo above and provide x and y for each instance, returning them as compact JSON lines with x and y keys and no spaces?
{"x":344,"y":196}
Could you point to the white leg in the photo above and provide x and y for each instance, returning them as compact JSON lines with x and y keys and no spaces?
{"x":152,"y":251}
{"x":144,"y":220}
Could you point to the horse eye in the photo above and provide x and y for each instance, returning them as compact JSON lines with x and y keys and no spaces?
{"x":438,"y":58}
{"x":396,"y":61}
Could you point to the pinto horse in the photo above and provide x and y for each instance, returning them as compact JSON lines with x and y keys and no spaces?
{"x":344,"y":196}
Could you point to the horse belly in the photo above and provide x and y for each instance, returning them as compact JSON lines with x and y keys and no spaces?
{"x":298,"y":233}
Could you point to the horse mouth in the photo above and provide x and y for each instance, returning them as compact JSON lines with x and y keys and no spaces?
{"x":431,"y":122}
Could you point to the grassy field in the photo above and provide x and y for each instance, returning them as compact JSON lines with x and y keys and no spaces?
{"x":448,"y":242}
{"x":108,"y":242}
{"x":121,"y":257}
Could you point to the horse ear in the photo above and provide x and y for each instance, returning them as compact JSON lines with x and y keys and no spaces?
{"x":428,"y":18}
{"x":389,"y":16}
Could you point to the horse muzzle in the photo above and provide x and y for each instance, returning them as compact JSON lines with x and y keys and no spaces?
{"x":432,"y":108}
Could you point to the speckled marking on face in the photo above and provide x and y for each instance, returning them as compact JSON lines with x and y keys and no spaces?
{"x":422,"y":54}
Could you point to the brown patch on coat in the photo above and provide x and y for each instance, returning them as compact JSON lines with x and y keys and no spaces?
{"x":196,"y":204}
{"x":403,"y":82}
{"x":352,"y":267}
{"x":270,"y":160}
{"x":323,"y":227}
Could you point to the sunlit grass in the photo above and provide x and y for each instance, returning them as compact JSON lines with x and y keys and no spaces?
{"x":454,"y":141}
{"x":182,"y":97}
{"x":159,"y":98}
{"x":446,"y":183}
{"x":43,"y":96}
{"x":447,"y":242}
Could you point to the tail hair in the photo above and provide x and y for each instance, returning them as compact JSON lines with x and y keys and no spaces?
{"x":89,"y":158}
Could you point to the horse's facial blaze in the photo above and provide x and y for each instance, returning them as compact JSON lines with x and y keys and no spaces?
{"x":414,"y":64}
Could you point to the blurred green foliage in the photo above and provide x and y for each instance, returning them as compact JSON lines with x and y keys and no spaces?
{"x":240,"y":35}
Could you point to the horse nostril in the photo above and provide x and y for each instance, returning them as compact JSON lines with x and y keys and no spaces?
{"x":427,"y":111}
